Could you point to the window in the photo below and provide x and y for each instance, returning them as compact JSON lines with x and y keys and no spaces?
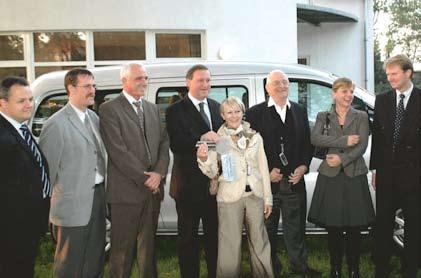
{"x":54,"y":103}
{"x":11,"y":48}
{"x":169,"y":95}
{"x":12,"y":71}
{"x":119,"y":46}
{"x":60,"y":46}
{"x":43,"y":70}
{"x":178,"y":45}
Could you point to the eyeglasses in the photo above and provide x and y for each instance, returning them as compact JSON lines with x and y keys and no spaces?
{"x":88,"y":86}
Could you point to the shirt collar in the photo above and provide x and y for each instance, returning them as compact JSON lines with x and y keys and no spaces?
{"x":407,"y":92}
{"x":129,"y":98}
{"x":79,"y":112}
{"x":271,"y":102}
{"x":196,"y":101}
{"x":12,"y":121}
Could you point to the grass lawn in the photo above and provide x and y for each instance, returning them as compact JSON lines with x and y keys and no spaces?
{"x":168,"y":263}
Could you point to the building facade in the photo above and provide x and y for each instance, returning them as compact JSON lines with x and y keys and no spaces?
{"x":41,"y":36}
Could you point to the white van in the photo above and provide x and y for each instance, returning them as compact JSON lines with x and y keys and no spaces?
{"x":309,"y":87}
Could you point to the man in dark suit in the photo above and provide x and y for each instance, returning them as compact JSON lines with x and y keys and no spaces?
{"x":396,"y":164}
{"x":284,"y":127}
{"x":73,"y":147}
{"x":138,"y":158}
{"x":194,"y":118}
{"x":24,"y":188}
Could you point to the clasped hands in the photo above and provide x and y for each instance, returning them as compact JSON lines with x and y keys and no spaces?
{"x":294,"y":178}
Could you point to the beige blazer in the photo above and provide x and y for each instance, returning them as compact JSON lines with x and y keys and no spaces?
{"x":252,"y":160}
{"x":356,"y":123}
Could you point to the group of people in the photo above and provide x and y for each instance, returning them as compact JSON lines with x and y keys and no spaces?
{"x":233,"y":168}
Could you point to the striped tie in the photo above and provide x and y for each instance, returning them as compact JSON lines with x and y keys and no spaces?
{"x":46,"y":190}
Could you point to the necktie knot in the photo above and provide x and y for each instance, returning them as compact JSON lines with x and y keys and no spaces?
{"x":402,"y":96}
{"x":24,"y":128}
{"x":201,"y":105}
{"x":138,"y":104}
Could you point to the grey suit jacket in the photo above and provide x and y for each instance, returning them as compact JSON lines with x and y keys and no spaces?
{"x":127,"y":155}
{"x":356,"y":123}
{"x":72,"y":157}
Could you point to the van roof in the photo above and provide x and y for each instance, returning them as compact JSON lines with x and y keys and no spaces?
{"x":109,"y":75}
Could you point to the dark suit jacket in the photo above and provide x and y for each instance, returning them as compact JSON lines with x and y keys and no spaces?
{"x":185,"y":125}
{"x":406,"y":160}
{"x":127,"y":155}
{"x":261,"y":120}
{"x":23,"y":210}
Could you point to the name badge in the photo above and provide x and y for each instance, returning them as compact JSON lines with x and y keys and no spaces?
{"x":228,"y":167}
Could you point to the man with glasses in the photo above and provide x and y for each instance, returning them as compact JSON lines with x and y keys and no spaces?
{"x":74,"y":149}
{"x":284,"y":127}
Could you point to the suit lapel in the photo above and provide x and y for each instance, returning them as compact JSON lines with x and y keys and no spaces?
{"x":77,"y":123}
{"x":350,"y":117}
{"x":409,"y":115}
{"x":12,"y":130}
{"x":128,"y":109}
{"x":214,"y":111}
{"x":195,"y":114}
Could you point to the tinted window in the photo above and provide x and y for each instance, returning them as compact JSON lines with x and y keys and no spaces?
{"x":54,"y":103}
{"x":167,"y":96}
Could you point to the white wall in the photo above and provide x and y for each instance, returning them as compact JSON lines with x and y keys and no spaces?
{"x":339,"y":47}
{"x":251,"y":30}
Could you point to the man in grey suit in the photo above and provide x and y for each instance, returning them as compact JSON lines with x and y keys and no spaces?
{"x":138,"y":163}
{"x":73,"y":147}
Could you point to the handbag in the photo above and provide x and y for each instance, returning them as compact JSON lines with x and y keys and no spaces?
{"x":321,"y":152}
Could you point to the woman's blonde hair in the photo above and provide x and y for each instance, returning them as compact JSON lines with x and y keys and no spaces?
{"x":231,"y":101}
{"x":342,"y":82}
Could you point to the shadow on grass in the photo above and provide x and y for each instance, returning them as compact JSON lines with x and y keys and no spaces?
{"x":168,"y":261}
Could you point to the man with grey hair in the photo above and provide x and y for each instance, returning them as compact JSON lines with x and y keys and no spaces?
{"x":25,"y":187}
{"x":138,"y":160}
{"x":284,"y":127}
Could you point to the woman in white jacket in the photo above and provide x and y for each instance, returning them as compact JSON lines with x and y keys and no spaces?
{"x":244,"y":193}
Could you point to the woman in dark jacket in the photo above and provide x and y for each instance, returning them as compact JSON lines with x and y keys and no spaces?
{"x":341,"y":200}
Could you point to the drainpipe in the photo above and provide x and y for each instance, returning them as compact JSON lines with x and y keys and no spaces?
{"x":369,"y":45}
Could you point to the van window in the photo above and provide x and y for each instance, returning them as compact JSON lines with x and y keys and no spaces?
{"x":166,"y":96}
{"x":54,"y":103}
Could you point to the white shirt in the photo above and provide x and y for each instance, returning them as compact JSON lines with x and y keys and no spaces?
{"x":131,"y":99}
{"x":82,"y":115}
{"x":407,"y":94}
{"x":282,"y":111}
{"x":14,"y":123}
{"x":205,"y":106}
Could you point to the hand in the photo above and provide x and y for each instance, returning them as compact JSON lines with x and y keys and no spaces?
{"x":333,"y":160}
{"x":353,"y":140}
{"x":373,"y":180}
{"x":202,"y":152}
{"x":267,"y":211}
{"x":298,"y":174}
{"x":275,"y":175}
{"x":210,"y":136}
{"x":153,"y":181}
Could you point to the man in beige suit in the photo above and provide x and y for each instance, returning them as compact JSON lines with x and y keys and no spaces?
{"x":138,"y":162}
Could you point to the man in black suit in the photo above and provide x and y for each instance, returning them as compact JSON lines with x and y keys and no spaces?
{"x":284,"y":127}
{"x":24,"y":188}
{"x":194,"y":118}
{"x":396,"y":164}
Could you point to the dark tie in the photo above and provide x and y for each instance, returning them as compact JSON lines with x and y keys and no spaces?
{"x":203,"y":114}
{"x":139,"y":110}
{"x":46,"y":190}
{"x":398,"y":120}
{"x":100,"y":162}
